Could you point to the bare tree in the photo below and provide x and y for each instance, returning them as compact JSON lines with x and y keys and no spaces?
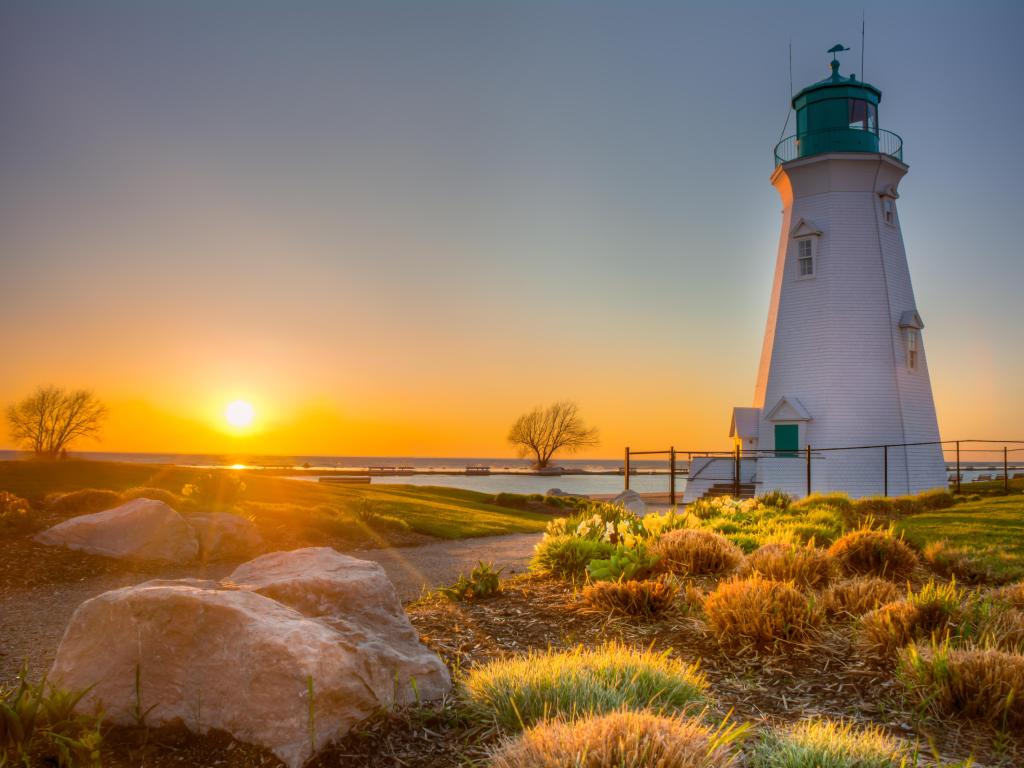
{"x":50,"y":419}
{"x":543,"y":431}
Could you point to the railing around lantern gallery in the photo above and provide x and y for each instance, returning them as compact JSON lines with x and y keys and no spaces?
{"x":838,"y":140}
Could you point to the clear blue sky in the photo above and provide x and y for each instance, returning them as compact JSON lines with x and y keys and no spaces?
{"x":575,"y":188}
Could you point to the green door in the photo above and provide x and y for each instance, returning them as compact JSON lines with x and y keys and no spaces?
{"x":787,"y":437}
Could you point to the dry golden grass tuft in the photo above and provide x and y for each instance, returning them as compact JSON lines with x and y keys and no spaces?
{"x":169,"y":498}
{"x":691,"y":551}
{"x":867,"y":552}
{"x":857,"y":596}
{"x":631,"y":598}
{"x":806,"y":566}
{"x":82,"y":502}
{"x":982,"y":684}
{"x":619,"y":740}
{"x":886,"y":630}
{"x":1011,"y":594}
{"x":760,"y":613}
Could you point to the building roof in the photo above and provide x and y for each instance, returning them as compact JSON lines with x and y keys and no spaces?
{"x":744,"y":422}
{"x":911,"y":319}
{"x":788,"y":409}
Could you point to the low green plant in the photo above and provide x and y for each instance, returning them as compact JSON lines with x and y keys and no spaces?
{"x":567,"y":556}
{"x":482,"y":582}
{"x":524,"y":690}
{"x":38,"y":724}
{"x":623,"y":564}
{"x":824,"y":743}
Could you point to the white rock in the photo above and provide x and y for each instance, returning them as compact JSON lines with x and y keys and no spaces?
{"x":233,"y":656}
{"x":223,"y":535}
{"x":141,"y":529}
{"x":630,"y":500}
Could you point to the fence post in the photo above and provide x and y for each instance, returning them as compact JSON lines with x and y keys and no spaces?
{"x":958,"y":466}
{"x":672,"y":476}
{"x":736,"y":474}
{"x":885,"y":470}
{"x":1006,"y":471}
{"x":625,"y":469}
{"x":808,"y":469}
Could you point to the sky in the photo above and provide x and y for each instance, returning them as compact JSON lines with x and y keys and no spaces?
{"x":394,"y":226}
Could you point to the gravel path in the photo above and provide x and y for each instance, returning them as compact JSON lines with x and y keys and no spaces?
{"x":32,"y":619}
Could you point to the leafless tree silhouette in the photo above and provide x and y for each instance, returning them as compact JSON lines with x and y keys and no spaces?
{"x":51,"y":418}
{"x":543,"y":431}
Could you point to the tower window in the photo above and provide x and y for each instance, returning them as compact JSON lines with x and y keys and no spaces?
{"x":888,"y":211}
{"x":805,"y":257}
{"x":912,"y":334}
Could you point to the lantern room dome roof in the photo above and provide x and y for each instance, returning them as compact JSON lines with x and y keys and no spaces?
{"x":837,"y":86}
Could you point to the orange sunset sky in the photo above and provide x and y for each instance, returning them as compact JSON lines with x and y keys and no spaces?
{"x":393,"y":228}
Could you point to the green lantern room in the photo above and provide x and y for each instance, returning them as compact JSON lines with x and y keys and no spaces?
{"x":837,"y":114}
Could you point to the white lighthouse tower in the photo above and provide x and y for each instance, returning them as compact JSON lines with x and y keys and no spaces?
{"x":843,"y":361}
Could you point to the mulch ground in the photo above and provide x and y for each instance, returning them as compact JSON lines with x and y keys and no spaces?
{"x":828,"y":676}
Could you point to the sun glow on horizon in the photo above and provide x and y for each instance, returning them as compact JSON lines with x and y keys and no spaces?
{"x":239,"y":413}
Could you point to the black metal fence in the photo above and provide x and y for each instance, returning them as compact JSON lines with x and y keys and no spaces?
{"x":986,"y":459}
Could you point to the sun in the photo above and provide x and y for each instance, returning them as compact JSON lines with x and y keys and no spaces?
{"x":239,"y":413}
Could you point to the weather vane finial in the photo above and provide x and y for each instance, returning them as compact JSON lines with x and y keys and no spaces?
{"x":837,"y":48}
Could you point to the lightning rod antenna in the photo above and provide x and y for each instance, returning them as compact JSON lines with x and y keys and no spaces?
{"x":863,"y":16}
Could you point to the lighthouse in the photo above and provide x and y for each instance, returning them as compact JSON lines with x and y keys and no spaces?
{"x":843,"y":363}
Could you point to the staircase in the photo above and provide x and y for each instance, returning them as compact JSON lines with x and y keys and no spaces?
{"x":747,"y":491}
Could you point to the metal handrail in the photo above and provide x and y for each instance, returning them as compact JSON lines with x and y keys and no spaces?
{"x":889,"y":143}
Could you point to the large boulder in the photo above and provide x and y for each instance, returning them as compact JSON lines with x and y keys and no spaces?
{"x":632,"y":501}
{"x":224,"y":536}
{"x":141,"y":529}
{"x":289,"y":652}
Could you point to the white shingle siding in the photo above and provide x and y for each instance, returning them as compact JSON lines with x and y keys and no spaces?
{"x":833,"y":340}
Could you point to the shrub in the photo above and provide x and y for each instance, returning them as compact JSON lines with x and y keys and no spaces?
{"x":521,"y":691}
{"x":82,"y":502}
{"x":511,"y":500}
{"x":807,"y":566}
{"x":482,"y":582}
{"x":776,"y":499}
{"x":823,"y":743}
{"x":975,"y":683}
{"x":857,"y":596}
{"x":631,"y":598}
{"x":567,"y":556}
{"x":624,"y":564}
{"x":867,"y":552}
{"x":938,"y":498}
{"x":837,"y":501}
{"x":15,"y":512}
{"x":214,"y":491}
{"x":169,"y":498}
{"x":759,"y":612}
{"x":620,"y":740}
{"x":694,"y":551}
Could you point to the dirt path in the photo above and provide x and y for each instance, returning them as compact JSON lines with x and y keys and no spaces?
{"x":33,"y":618}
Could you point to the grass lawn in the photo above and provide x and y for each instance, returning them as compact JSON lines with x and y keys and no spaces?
{"x":990,"y":532}
{"x":445,"y":513}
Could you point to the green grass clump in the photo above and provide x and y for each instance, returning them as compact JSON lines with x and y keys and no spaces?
{"x":38,"y":726}
{"x":837,"y":501}
{"x":522,"y":691}
{"x":621,"y":740}
{"x":986,"y":536}
{"x":567,"y":557}
{"x":823,"y":743}
{"x":751,"y":524}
